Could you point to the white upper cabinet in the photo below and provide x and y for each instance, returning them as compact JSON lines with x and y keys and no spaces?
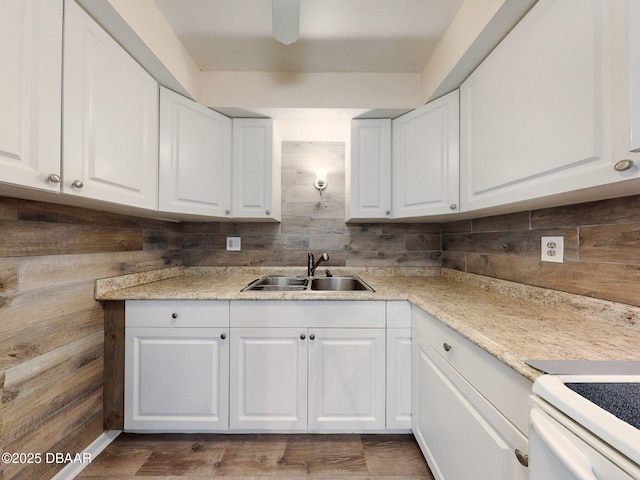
{"x":195,"y":158}
{"x":110,"y":111}
{"x":425,"y":159}
{"x":255,"y":170}
{"x":547,"y":112}
{"x":633,"y":32}
{"x":30,"y":92}
{"x":369,"y":173}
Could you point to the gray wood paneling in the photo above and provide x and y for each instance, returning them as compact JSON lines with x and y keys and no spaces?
{"x":51,"y":328}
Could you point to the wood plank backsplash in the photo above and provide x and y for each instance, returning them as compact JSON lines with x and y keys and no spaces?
{"x":602,"y":248}
{"x":313,"y":222}
{"x":51,"y":329}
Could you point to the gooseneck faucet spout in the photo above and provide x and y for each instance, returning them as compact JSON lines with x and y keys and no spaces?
{"x":311,"y":266}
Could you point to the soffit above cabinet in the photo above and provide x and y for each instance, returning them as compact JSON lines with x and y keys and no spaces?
{"x":357,"y":54}
{"x":335,"y":35}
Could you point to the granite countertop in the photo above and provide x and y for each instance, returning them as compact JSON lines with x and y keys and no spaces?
{"x":511,"y":321}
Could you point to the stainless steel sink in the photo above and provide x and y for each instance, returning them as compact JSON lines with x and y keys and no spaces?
{"x":276,"y":283}
{"x":288,"y":281}
{"x":339,"y":284}
{"x":281,"y":283}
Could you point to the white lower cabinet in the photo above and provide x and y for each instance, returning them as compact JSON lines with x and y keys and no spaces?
{"x":315,"y":366}
{"x":460,"y":432}
{"x":268,"y":379}
{"x":325,"y":366}
{"x":177,"y":370}
{"x":299,"y":379}
{"x":346,"y":379}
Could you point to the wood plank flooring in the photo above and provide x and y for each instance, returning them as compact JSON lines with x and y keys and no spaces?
{"x":200,"y":456}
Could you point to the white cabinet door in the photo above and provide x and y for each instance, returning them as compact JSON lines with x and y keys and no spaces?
{"x":195,"y":157}
{"x":369,"y":171}
{"x":177,"y":379}
{"x":346,"y":380}
{"x":541,"y":115}
{"x":425,"y":159}
{"x":30,"y":92}
{"x":110,"y":111}
{"x":460,"y":433}
{"x":268,"y":379}
{"x":633,"y":42}
{"x":256,"y":183}
{"x":399,"y":378}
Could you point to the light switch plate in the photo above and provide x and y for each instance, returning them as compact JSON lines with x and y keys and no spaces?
{"x":552,"y":249}
{"x":233,"y":244}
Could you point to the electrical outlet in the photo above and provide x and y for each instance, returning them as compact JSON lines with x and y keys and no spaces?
{"x":233,"y":244}
{"x":552,"y":249}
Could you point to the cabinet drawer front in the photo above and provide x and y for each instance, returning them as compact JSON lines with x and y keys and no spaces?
{"x":329,"y":314}
{"x":177,"y":313}
{"x":506,"y":389}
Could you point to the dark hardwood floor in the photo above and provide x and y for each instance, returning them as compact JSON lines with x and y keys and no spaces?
{"x":200,"y":456}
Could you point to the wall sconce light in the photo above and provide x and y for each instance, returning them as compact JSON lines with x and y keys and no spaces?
{"x":321,"y":179}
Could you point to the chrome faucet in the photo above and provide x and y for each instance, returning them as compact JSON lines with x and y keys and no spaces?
{"x":311,"y":266}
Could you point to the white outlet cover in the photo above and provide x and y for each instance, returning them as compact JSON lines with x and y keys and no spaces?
{"x":552,"y":249}
{"x":233,"y":244}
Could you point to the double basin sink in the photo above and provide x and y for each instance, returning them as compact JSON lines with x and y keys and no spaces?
{"x":278,"y":283}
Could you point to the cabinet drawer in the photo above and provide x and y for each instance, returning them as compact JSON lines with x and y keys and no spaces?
{"x":328,"y":314}
{"x":506,"y":389}
{"x":177,"y":313}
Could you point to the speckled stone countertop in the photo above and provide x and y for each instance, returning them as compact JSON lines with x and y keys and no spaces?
{"x":511,"y":321}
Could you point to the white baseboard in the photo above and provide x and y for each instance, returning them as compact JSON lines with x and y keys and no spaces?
{"x":91,"y":452}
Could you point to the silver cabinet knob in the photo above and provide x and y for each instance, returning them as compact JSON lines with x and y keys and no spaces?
{"x":453,"y":206}
{"x":302,"y":336}
{"x":54,"y":178}
{"x":446,"y":347}
{"x":623,"y":165}
{"x":268,"y":212}
{"x":227,"y":211}
{"x":523,"y":458}
{"x":312,"y":337}
{"x":174,"y":315}
{"x":223,"y":336}
{"x":388,"y":212}
{"x":77,"y":184}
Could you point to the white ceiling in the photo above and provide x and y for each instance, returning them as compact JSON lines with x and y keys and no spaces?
{"x":380,"y":36}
